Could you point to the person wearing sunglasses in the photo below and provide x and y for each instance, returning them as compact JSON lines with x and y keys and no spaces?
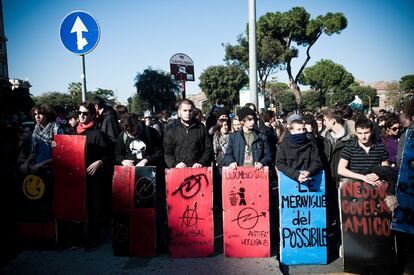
{"x":389,"y":138}
{"x":97,"y":156}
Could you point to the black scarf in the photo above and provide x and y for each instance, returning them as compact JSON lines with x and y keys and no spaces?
{"x":297,"y":138}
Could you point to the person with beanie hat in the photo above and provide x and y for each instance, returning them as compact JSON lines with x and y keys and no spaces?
{"x":247,"y":147}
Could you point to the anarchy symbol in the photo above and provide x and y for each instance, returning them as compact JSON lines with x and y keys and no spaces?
{"x":190,"y":216}
{"x":120,"y":232}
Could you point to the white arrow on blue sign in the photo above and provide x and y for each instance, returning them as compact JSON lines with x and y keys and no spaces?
{"x":79,"y":32}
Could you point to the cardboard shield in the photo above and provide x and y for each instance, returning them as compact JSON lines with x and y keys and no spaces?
{"x":403,"y":219}
{"x":36,"y":197}
{"x":69,"y":167}
{"x":246,"y":212}
{"x":134,"y":231}
{"x":367,"y":239}
{"x":302,"y":220}
{"x":190,"y":214}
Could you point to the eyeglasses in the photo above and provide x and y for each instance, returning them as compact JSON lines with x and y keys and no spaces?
{"x":83,"y":113}
{"x":395,"y":128}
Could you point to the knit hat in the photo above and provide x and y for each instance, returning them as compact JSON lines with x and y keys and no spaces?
{"x":294,"y":117}
{"x":220,"y":112}
{"x":244,"y":112}
{"x":148,"y":113}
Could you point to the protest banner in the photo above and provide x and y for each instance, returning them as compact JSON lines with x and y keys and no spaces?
{"x":403,"y":218}
{"x":36,"y":224}
{"x":69,"y":168}
{"x":367,"y":240}
{"x":190,"y":214}
{"x":133,"y":228}
{"x":246,"y":212}
{"x":302,"y":209}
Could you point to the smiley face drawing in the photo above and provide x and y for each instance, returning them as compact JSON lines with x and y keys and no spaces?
{"x":33,"y":187}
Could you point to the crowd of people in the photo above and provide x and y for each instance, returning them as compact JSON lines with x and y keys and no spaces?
{"x":341,"y":141}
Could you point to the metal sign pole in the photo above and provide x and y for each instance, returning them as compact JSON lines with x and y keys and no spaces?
{"x":183,"y":88}
{"x":83,"y":78}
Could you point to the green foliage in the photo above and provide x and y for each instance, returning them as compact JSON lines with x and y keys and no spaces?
{"x":107,"y":95}
{"x":223,"y":82}
{"x":62,"y":103}
{"x":135,"y":105}
{"x":278,"y":36}
{"x":311,"y":101}
{"x":326,"y":76}
{"x":344,"y":97}
{"x":275,"y":87}
{"x":269,"y":55}
{"x":286,"y":100}
{"x":75,"y":91}
{"x":407,"y":83}
{"x":156,"y":88}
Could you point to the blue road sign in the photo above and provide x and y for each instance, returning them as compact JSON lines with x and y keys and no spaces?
{"x":79,"y":32}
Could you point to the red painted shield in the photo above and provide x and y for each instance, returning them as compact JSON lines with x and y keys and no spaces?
{"x":246,"y":212}
{"x":133,"y":230}
{"x":190,"y":214}
{"x":70,"y":178}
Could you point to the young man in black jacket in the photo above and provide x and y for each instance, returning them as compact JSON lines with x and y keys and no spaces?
{"x":297,"y":156}
{"x":187,"y":143}
{"x":107,"y":120}
{"x":247,"y":147}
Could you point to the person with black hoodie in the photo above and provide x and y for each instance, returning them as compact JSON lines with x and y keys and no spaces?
{"x":97,"y":155}
{"x":187,"y":143}
{"x":138,"y":144}
{"x":297,"y":156}
{"x":107,"y":120}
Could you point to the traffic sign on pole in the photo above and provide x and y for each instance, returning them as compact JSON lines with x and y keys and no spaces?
{"x":79,"y":32}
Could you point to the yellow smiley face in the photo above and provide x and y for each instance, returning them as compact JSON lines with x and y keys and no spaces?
{"x":33,"y":187}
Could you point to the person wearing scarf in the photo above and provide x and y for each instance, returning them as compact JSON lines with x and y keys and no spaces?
{"x":42,"y":138}
{"x":297,"y":156}
{"x":97,"y":155}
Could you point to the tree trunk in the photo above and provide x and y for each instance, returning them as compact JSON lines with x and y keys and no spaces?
{"x":297,"y":93}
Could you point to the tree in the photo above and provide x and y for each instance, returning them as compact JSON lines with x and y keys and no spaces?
{"x":273,"y":90}
{"x":135,"y":105}
{"x":156,"y":88}
{"x":75,"y":90}
{"x":287,"y":31}
{"x":366,"y":93}
{"x":269,"y":55}
{"x":223,"y":82}
{"x":107,"y":95}
{"x":407,"y":83}
{"x":285,"y":101}
{"x":311,"y":101}
{"x":326,"y":76}
{"x":60,"y":102}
